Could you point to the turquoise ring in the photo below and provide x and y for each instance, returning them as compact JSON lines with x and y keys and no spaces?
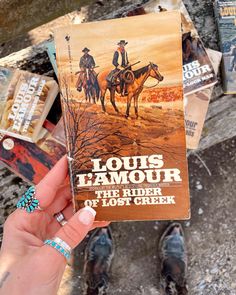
{"x":28,"y":202}
{"x":59,"y":245}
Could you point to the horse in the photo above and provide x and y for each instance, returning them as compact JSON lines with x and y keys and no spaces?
{"x":90,"y":86}
{"x":134,"y":88}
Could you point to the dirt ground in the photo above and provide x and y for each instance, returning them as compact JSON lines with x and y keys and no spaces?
{"x":210,"y":237}
{"x":210,"y":233}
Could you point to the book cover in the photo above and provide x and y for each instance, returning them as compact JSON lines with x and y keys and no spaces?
{"x":58,"y":132}
{"x":198,"y":71}
{"x":51,"y":51}
{"x":126,"y":145}
{"x":225,"y":12}
{"x":25,"y":100}
{"x":31,"y":161}
{"x":196,"y":106}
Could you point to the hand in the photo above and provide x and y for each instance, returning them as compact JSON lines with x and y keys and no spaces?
{"x":27,"y":266}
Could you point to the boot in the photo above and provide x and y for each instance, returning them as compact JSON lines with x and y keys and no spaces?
{"x":98,"y":256}
{"x":173,"y":258}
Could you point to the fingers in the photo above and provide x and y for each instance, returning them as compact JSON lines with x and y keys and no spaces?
{"x":72,"y":233}
{"x":48,"y":186}
{"x":68,"y":212}
{"x":77,"y":227}
{"x":56,"y":175}
{"x":62,"y":199}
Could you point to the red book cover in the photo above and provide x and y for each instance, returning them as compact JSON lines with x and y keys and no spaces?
{"x":31,"y":161}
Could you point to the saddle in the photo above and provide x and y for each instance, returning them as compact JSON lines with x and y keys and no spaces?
{"x":116,"y":77}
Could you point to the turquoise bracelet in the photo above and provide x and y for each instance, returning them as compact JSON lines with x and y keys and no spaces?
{"x":59,"y":248}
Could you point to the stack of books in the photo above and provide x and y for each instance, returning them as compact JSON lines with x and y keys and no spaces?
{"x":134,"y":95}
{"x":27,"y":146}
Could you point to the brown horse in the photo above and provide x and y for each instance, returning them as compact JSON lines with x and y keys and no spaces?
{"x":134,"y":88}
{"x":90,"y":86}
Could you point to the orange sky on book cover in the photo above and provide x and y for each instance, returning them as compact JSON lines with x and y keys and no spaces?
{"x":143,"y":45}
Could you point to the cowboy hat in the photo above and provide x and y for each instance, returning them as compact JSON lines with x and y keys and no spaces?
{"x":122,"y":42}
{"x":85,"y":49}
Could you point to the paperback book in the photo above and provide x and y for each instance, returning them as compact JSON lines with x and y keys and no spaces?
{"x":198,"y":72}
{"x":51,"y":51}
{"x":31,"y":161}
{"x":58,"y":132}
{"x":225,"y":12}
{"x":196,"y":106}
{"x":25,"y":100}
{"x":122,"y":101}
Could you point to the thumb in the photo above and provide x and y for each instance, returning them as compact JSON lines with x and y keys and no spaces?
{"x":77,"y":227}
{"x":73,"y":232}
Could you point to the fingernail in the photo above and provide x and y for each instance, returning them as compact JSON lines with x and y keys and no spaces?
{"x":86,"y":215}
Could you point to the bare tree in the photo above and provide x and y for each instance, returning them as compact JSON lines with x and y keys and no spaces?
{"x":90,"y":135}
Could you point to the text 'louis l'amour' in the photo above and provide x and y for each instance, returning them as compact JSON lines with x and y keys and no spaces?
{"x":128,"y":170}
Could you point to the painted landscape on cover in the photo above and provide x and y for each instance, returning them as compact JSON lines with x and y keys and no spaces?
{"x":131,"y":109}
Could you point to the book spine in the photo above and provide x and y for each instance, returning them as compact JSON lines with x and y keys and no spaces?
{"x":225,"y":16}
{"x":64,"y":107}
{"x":51,"y":51}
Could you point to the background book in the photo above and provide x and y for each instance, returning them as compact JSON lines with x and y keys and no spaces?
{"x":25,"y":100}
{"x":51,"y":51}
{"x":128,"y":162}
{"x":225,"y":12}
{"x":198,"y":72}
{"x":196,"y":106}
{"x":31,"y":161}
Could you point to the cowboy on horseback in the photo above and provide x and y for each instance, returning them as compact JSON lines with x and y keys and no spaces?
{"x":121,"y":63}
{"x":87,"y":63}
{"x":87,"y":76}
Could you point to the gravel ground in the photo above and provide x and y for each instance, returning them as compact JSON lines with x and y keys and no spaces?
{"x":210,"y":234}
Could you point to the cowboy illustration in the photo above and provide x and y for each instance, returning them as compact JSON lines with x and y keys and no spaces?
{"x":86,"y":61}
{"x":87,"y":65}
{"x":121,"y":63}
{"x":120,"y":57}
{"x":87,"y":75}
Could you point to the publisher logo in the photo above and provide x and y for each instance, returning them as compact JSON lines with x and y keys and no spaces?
{"x":8,"y":144}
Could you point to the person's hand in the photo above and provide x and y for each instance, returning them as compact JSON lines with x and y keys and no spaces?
{"x":27,"y":266}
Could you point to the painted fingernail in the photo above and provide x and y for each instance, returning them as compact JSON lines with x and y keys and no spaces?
{"x":86,"y":215}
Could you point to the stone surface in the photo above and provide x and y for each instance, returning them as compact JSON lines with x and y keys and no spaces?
{"x":210,"y":235}
{"x":25,"y":14}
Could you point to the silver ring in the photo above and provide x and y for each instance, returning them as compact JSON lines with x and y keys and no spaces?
{"x":60,"y":218}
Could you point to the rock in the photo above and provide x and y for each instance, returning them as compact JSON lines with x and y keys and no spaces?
{"x":200,"y":211}
{"x":214,"y":270}
{"x":208,"y":278}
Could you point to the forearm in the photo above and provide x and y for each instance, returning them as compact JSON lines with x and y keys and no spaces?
{"x":12,"y":284}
